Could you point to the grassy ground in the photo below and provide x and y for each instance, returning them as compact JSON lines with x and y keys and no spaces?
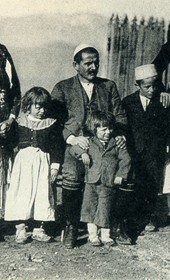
{"x":148,"y":260}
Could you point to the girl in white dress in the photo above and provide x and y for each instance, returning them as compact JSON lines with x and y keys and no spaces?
{"x":35,"y":167}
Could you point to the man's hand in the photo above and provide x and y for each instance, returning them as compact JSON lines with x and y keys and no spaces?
{"x":54,"y":173}
{"x":121,"y":141}
{"x":165,"y":99}
{"x":4,"y":128}
{"x":82,"y":141}
{"x":85,"y":159}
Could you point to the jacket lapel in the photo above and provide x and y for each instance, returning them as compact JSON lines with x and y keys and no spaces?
{"x":111,"y":144}
{"x":101,"y":95}
{"x":77,"y":98}
{"x":138,"y":104}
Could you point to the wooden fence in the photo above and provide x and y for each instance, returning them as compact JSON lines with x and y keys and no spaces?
{"x":131,"y":44}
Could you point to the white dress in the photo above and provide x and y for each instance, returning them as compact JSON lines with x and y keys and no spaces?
{"x":30,"y":192}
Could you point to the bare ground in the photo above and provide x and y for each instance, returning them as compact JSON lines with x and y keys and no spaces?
{"x":148,"y":260}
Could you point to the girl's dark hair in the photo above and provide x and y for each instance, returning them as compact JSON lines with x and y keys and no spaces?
{"x":78,"y":56}
{"x":98,"y":119}
{"x":36,"y":95}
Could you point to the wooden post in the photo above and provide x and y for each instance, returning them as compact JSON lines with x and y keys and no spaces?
{"x":133,"y":38}
{"x":123,"y":54}
{"x":140,"y":43}
{"x":130,"y":45}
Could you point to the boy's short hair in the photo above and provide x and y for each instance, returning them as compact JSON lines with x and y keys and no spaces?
{"x":98,"y":119}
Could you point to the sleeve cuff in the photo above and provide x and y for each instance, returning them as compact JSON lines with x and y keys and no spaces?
{"x":118,"y":180}
{"x":55,"y":166}
{"x":12,"y":116}
{"x":69,"y":139}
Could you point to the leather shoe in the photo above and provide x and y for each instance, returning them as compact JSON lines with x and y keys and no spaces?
{"x":70,"y":237}
{"x":2,"y":239}
{"x":123,"y":238}
{"x":95,"y":242}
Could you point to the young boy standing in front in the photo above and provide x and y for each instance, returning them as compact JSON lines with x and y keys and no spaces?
{"x":107,"y":167}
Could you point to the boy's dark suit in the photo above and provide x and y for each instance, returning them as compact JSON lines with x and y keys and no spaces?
{"x":146,"y":142}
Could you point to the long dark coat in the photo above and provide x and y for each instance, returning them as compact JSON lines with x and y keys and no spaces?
{"x":147,"y":133}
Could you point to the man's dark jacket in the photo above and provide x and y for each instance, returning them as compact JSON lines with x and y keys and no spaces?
{"x":69,"y":97}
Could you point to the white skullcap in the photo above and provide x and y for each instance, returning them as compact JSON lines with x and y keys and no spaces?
{"x":145,"y":71}
{"x":81,"y":47}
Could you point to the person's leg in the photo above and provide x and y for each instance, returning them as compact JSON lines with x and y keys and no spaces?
{"x":71,"y":200}
{"x":154,"y":164}
{"x":2,"y":230}
{"x":160,"y":215}
{"x":103,"y":214}
{"x":93,"y":234}
{"x":142,"y":207}
{"x":88,"y":212}
{"x":73,"y":180}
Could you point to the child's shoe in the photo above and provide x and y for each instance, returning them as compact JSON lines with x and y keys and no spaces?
{"x":105,"y":237}
{"x":123,"y":238}
{"x":2,"y":239}
{"x":93,"y":235}
{"x":21,"y":236}
{"x":39,"y":235}
{"x":95,"y":242}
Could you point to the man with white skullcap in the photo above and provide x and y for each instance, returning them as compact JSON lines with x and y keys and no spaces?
{"x":10,"y":96}
{"x":148,"y":127}
{"x":77,"y":97}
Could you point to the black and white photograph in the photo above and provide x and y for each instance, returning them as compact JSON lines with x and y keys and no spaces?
{"x":85,"y":140}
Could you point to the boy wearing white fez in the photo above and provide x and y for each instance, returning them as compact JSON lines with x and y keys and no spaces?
{"x":146,"y":140}
{"x":77,"y":97}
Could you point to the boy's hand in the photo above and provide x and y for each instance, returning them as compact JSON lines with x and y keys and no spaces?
{"x":118,"y":181}
{"x":165,"y":99}
{"x":121,"y":141}
{"x":85,"y":158}
{"x":54,"y":173}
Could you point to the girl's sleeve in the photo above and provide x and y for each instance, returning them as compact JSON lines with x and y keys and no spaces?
{"x":57,"y":144}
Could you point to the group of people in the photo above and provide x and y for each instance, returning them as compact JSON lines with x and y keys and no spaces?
{"x":111,"y":153}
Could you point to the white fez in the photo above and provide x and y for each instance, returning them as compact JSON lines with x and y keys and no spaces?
{"x":145,"y":71}
{"x":81,"y":47}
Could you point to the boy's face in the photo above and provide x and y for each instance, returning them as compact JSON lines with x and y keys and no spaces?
{"x":148,"y":87}
{"x":103,"y":133}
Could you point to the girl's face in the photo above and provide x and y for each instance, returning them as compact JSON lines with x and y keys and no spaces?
{"x":37,"y":111}
{"x":103,"y":133}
